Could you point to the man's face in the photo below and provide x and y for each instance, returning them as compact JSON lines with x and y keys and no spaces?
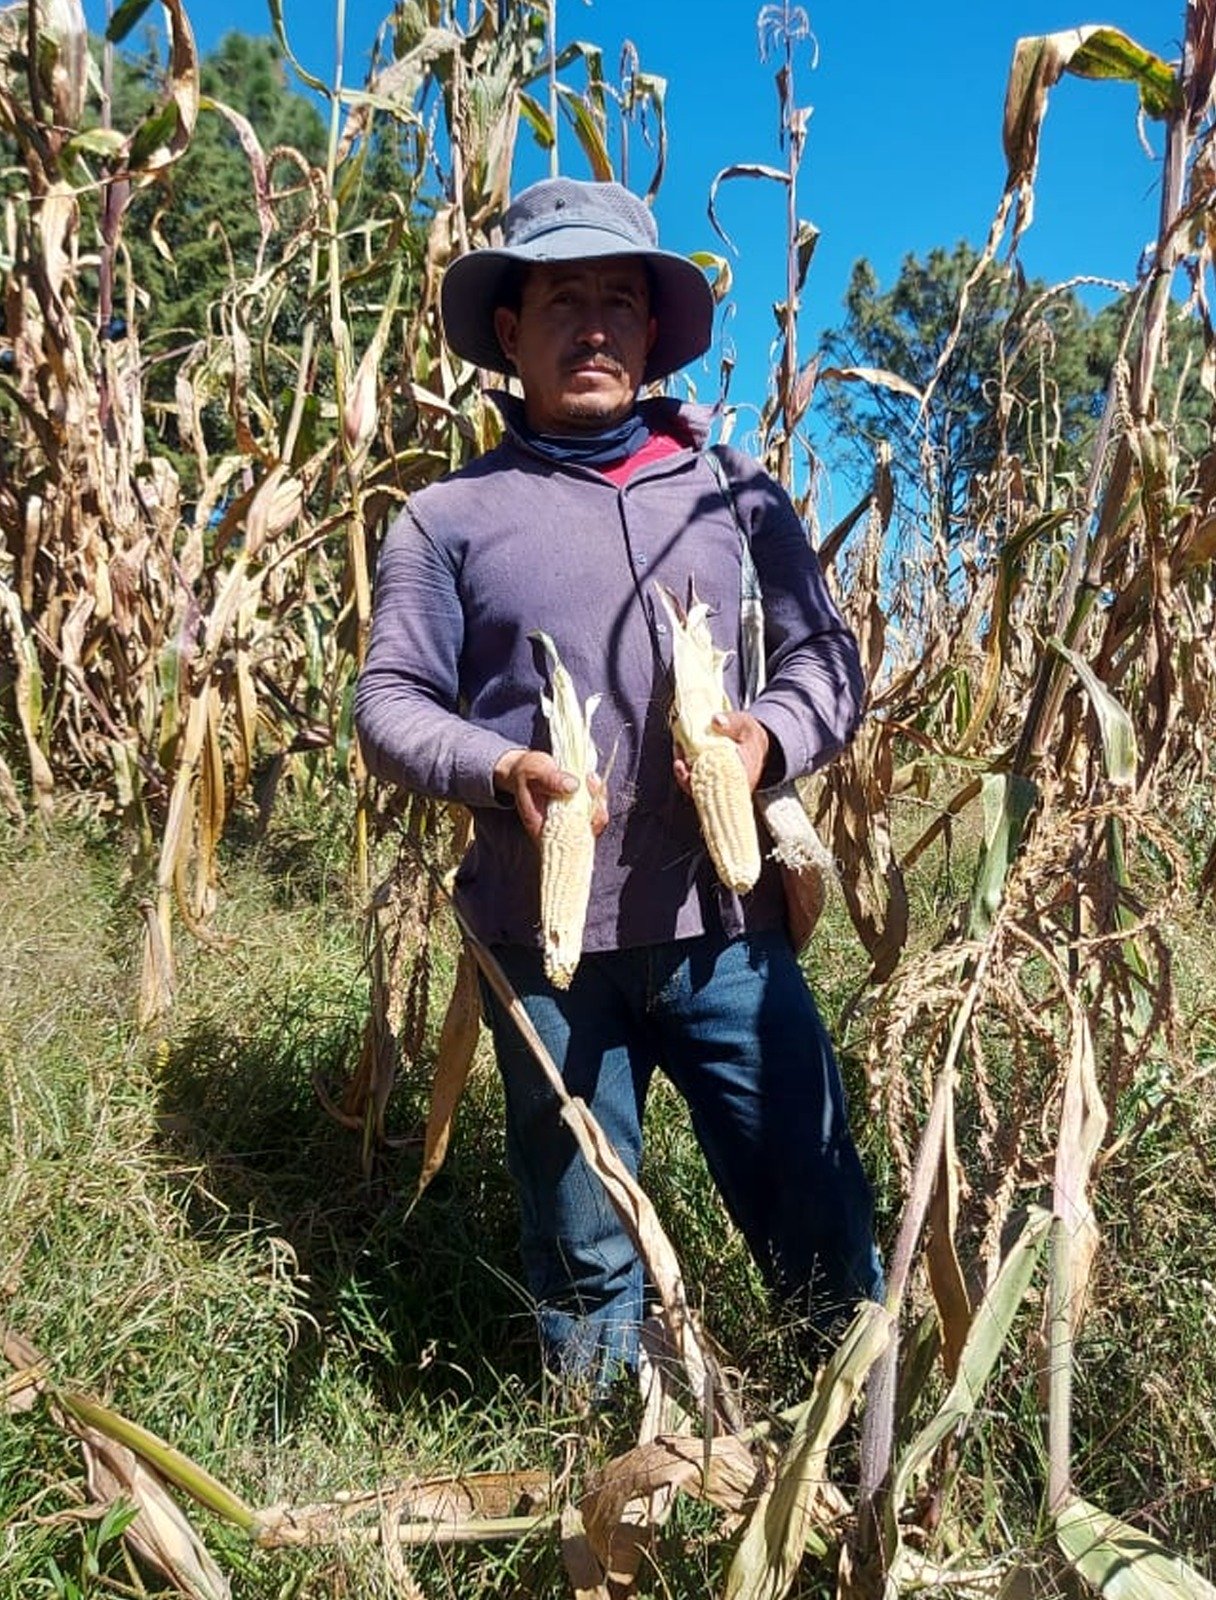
{"x":579,"y":342}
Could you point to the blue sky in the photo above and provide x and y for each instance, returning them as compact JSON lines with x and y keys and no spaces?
{"x":904,"y":147}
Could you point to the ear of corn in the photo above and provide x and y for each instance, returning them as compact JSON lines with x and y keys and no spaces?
{"x":720,"y":789}
{"x":796,"y":843}
{"x":807,"y":864}
{"x":567,"y":843}
{"x":723,"y":799}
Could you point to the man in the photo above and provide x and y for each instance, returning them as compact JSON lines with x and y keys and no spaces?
{"x":592,"y":500}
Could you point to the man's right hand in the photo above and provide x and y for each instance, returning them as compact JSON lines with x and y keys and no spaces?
{"x":532,"y":778}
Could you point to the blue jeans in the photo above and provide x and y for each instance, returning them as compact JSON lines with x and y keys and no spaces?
{"x":734,"y":1027}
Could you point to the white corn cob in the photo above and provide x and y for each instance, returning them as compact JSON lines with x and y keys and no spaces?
{"x":567,"y":844}
{"x":720,"y":789}
{"x":806,"y":862}
{"x":796,"y":843}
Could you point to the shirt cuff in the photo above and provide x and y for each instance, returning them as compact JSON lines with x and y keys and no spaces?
{"x":773,"y":771}
{"x":479,"y":754}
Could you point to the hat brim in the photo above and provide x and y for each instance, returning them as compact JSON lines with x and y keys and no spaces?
{"x":681,"y":299}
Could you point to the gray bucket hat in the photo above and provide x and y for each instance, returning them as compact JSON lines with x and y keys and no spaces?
{"x":562,"y":219}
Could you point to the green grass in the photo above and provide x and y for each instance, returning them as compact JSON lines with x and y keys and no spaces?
{"x":190,"y":1236}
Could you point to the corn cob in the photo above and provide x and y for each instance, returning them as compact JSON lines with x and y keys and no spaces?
{"x":567,"y":843}
{"x":806,"y":862}
{"x":718,"y":779}
{"x":796,"y":843}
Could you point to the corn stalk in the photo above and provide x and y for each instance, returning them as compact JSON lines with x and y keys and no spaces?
{"x":176,"y":662}
{"x":781,"y":28}
{"x":1070,"y":744}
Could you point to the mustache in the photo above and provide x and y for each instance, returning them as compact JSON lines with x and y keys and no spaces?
{"x":597,"y":360}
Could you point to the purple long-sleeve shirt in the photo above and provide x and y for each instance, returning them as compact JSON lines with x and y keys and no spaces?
{"x":515,"y":543}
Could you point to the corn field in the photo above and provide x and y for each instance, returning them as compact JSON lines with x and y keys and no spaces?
{"x":1046,"y":678}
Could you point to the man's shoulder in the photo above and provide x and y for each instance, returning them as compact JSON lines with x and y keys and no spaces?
{"x":751,"y":484}
{"x":492,"y":463}
{"x":483,"y":475}
{"x":739,"y":466}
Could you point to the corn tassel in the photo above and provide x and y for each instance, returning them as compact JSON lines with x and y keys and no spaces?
{"x":718,"y":779}
{"x":567,"y":843}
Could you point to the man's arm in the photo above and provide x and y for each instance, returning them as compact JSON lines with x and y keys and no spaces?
{"x":812,"y":702}
{"x":410,"y":730}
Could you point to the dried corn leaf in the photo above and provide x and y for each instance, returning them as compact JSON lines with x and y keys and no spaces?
{"x":160,"y":1534}
{"x":871,"y":878}
{"x":662,"y":1414}
{"x":68,"y":69}
{"x":987,"y":1337}
{"x":210,"y":809}
{"x":720,"y":1470}
{"x":23,"y":1388}
{"x":962,"y":1579}
{"x":188,"y":403}
{"x":176,"y":837}
{"x":245,"y":706}
{"x":57,"y":221}
{"x":20,"y":1391}
{"x":941,"y":1257}
{"x":1009,"y":578}
{"x":664,"y":1408}
{"x":582,"y":1567}
{"x":1083,"y":1121}
{"x":1122,"y":1562}
{"x":456,"y":1508}
{"x":875,"y":377}
{"x":457,"y":1044}
{"x":157,"y":979}
{"x":1038,"y":64}
{"x":792,"y":1507}
{"x":394,"y":86}
{"x":361,"y":406}
{"x":399,"y":959}
{"x":258,"y":170}
{"x":165,"y":133}
{"x":449,"y":1497}
{"x":9,"y":798}
{"x":27,"y":694}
